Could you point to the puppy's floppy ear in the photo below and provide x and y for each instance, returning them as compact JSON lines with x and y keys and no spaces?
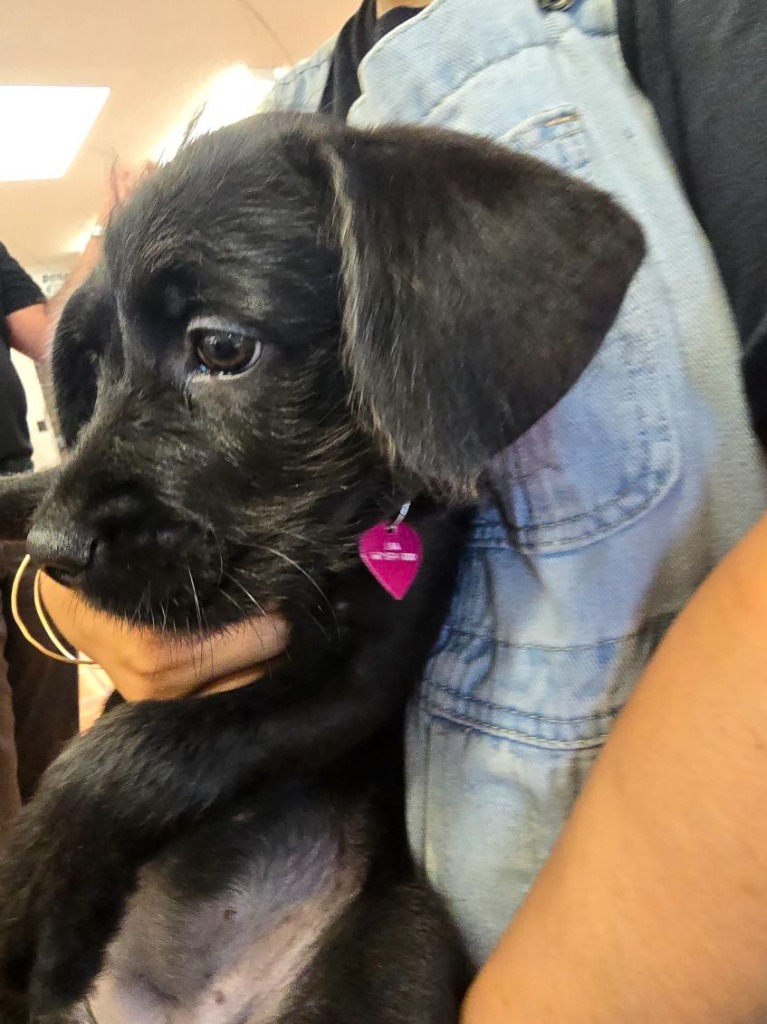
{"x":19,"y":497}
{"x":477,"y":286}
{"x":80,"y":339}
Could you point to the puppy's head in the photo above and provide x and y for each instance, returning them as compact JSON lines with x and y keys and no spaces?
{"x":296,"y":327}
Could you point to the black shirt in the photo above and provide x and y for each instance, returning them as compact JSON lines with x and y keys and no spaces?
{"x":358,"y":36}
{"x":703,"y":65}
{"x":17,"y":291}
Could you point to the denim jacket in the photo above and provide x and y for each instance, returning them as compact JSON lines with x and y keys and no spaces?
{"x":612,"y":509}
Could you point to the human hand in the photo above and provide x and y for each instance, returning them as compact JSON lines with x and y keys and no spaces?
{"x":145,"y":664}
{"x":122,"y":181}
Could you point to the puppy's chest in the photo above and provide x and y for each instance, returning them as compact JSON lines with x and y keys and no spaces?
{"x":232,"y":957}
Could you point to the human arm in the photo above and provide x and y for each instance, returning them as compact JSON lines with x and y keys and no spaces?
{"x":24,"y":308}
{"x":31,"y":319}
{"x":29,"y":331}
{"x":120,"y":185}
{"x":653,"y":906}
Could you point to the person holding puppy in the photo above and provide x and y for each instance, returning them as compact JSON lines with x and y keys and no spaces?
{"x":603,"y":521}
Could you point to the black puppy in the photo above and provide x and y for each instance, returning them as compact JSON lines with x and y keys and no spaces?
{"x":297,"y":328}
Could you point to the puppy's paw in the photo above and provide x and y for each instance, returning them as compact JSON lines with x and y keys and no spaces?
{"x":61,"y":899}
{"x":48,"y":965}
{"x":67,"y":961}
{"x":110,"y":802}
{"x":52,"y":947}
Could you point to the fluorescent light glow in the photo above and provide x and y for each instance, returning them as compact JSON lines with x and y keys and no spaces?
{"x":230,"y":96}
{"x":81,"y":240}
{"x":43,"y":128}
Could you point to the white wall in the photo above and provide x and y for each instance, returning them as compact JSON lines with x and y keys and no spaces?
{"x":45,"y":450}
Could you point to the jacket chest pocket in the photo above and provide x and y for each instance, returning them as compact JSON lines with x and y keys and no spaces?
{"x":607,"y":453}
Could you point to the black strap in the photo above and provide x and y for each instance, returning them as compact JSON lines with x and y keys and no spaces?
{"x":627,"y":33}
{"x":358,"y":36}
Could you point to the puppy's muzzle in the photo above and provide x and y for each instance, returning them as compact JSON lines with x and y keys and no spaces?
{"x":65,"y":553}
{"x":119,"y":531}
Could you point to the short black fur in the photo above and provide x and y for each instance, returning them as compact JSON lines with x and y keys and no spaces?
{"x":419,"y":300}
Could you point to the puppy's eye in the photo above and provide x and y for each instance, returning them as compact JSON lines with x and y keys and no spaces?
{"x":225,"y":351}
{"x":221,"y":348}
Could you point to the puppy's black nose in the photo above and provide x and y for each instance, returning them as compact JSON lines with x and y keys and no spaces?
{"x":65,"y":553}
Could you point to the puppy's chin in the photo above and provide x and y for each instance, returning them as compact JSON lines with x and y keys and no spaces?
{"x":172,"y":598}
{"x":192,"y":596}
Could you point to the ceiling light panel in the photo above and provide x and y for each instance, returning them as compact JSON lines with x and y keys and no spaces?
{"x":44,"y":128}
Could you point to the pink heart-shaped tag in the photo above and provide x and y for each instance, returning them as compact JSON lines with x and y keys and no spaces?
{"x":393,"y":554}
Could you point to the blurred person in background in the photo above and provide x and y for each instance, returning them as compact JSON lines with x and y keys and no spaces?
{"x":38,"y":696}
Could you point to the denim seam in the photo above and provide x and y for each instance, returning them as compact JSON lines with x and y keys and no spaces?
{"x":432,"y":10}
{"x":666,"y":617}
{"x":292,"y":81}
{"x":649,"y":499}
{"x":643,"y":492}
{"x":512,"y":735}
{"x":574,"y":134}
{"x":480,"y":71}
{"x":547,"y":43}
{"x":527,"y":715}
{"x":428,"y":796}
{"x":298,"y":72}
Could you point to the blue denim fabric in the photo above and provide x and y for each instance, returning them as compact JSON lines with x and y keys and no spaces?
{"x":607,"y":514}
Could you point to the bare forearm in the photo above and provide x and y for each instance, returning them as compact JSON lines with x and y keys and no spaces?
{"x":80,"y":273}
{"x":653,"y":907}
{"x":31,"y":329}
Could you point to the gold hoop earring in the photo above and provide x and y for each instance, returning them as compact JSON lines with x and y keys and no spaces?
{"x":64,"y":656}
